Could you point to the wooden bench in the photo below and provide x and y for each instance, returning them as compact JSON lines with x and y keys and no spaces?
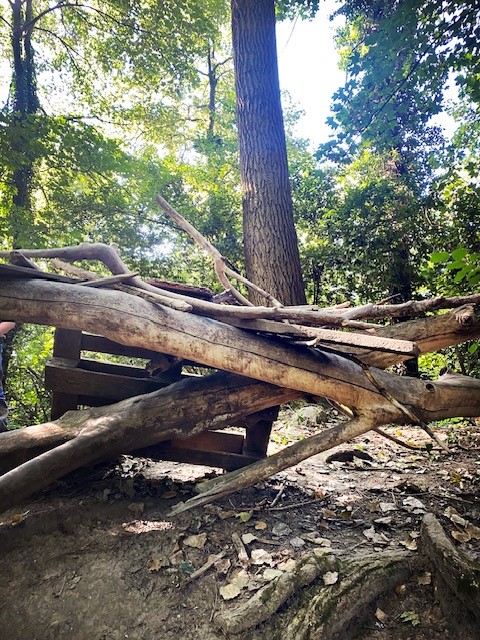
{"x":76,"y":381}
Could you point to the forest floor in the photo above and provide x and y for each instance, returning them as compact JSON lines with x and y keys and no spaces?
{"x":97,"y":556}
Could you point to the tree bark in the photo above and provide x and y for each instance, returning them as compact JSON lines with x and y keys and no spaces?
{"x":25,"y":104}
{"x":271,"y":248}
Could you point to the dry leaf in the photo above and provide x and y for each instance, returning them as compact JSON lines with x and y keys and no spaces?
{"x":260,"y":525}
{"x":329,"y":578}
{"x":385,"y":507}
{"x":158,"y":562}
{"x":229,"y":591}
{"x":196,"y":541}
{"x":261,"y":556}
{"x":381,"y":616}
{"x":314,"y":538}
{"x":461,"y":536}
{"x":375,"y":537}
{"x":223,"y":515}
{"x":409,"y":543}
{"x":474,"y":531}
{"x":223,"y":565}
{"x":281,"y":529}
{"x":288,"y":565}
{"x":297,"y":542}
{"x":247,"y":538}
{"x":425,"y":578}
{"x":400,"y":590}
{"x":168,"y":495}
{"x":238,"y":582}
{"x":414,"y":505}
{"x":271,"y":574}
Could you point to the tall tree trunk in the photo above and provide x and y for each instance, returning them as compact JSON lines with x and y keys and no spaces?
{"x":271,"y":249}
{"x":25,"y":104}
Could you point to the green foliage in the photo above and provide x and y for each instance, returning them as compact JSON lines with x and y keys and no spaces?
{"x":464,"y":267}
{"x":398,"y":56}
{"x":28,"y":401}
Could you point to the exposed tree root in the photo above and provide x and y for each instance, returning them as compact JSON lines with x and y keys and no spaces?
{"x":321,"y":611}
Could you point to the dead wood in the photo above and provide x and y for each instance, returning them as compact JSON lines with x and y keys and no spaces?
{"x":317,"y":609}
{"x":90,"y":276}
{"x":91,"y":435}
{"x":222,"y":269}
{"x":294,"y":454}
{"x":136,"y":322}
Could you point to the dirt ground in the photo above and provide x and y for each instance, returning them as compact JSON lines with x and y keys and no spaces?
{"x":98,"y":557}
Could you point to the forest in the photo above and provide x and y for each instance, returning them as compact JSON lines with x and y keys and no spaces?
{"x":115,"y":116}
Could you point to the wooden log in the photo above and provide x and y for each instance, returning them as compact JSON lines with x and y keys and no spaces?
{"x":177,"y":412}
{"x":136,"y":322}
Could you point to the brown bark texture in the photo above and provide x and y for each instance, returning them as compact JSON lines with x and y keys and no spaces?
{"x":267,"y":199}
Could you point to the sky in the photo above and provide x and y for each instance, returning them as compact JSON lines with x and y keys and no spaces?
{"x":308,"y":68}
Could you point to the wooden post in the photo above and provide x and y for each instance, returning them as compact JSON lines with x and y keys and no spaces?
{"x":67,"y":344}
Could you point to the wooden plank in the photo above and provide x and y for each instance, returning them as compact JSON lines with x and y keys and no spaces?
{"x":222,"y":460}
{"x":259,"y":428}
{"x":63,"y":402}
{"x":183,"y":289}
{"x":67,"y":344}
{"x":212,"y":441}
{"x":328,"y":336}
{"x":63,"y":375}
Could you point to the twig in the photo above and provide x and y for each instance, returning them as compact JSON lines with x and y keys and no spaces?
{"x":240,"y":549}
{"x":220,"y":265}
{"x":205,"y":567}
{"x":102,"y":282}
{"x":278,"y":496}
{"x":294,"y":505}
{"x":397,"y":440}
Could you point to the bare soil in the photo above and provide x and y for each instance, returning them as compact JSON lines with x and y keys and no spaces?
{"x":98,"y":557}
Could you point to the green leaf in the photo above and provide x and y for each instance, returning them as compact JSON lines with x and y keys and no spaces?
{"x":410,"y":616}
{"x":442,"y":256}
{"x":473,"y":348}
{"x":460,"y":253}
{"x":461,"y":274}
{"x":458,"y":264}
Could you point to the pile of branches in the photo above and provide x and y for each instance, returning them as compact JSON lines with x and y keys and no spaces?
{"x":266,"y":355}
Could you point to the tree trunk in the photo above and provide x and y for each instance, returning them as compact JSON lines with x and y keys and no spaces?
{"x":25,"y":104}
{"x":271,"y":248}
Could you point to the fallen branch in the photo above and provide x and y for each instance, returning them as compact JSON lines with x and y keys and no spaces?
{"x":91,"y":435}
{"x":220,"y":264}
{"x":224,"y":485}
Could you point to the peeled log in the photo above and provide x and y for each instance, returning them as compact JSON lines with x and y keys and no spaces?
{"x":136,"y":322}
